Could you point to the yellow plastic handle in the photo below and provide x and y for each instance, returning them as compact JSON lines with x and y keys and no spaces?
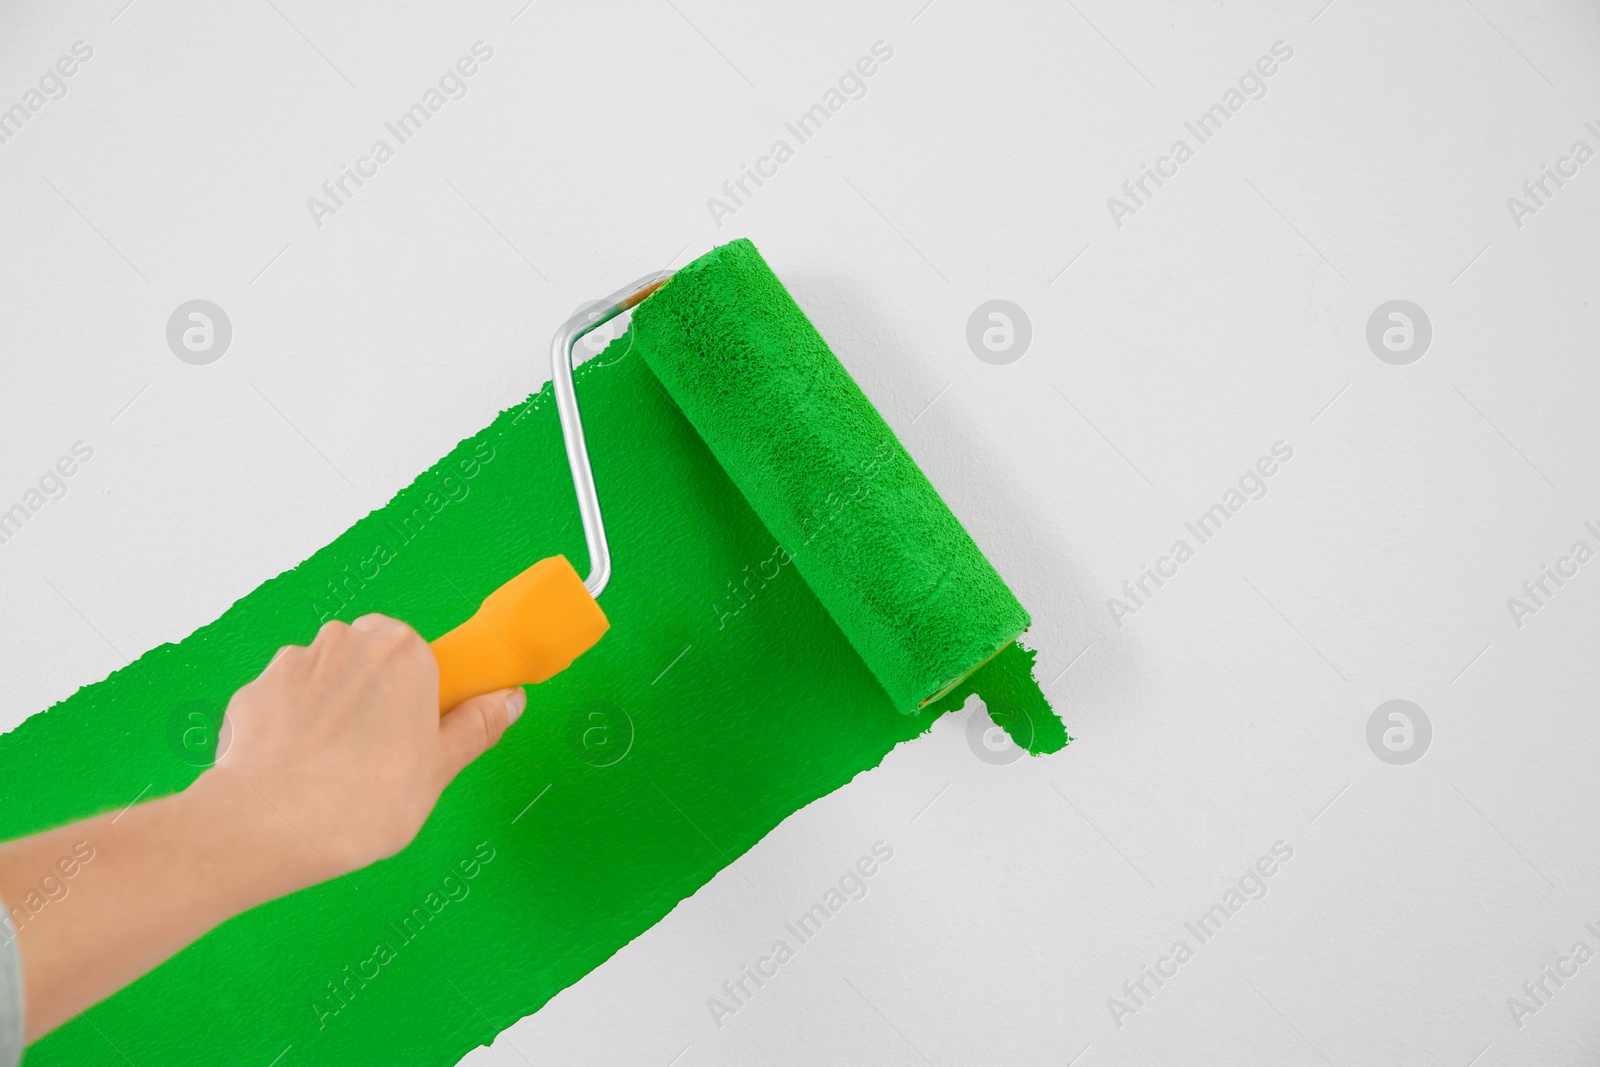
{"x":527,"y":631}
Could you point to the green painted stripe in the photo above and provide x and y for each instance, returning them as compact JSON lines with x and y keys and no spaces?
{"x":733,"y":714}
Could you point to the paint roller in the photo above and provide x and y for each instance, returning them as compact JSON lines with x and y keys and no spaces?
{"x":820,"y":467}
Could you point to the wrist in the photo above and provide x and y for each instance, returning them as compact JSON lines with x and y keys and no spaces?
{"x":249,"y":844}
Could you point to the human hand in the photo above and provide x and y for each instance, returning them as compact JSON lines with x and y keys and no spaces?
{"x":344,"y":739}
{"x":337,"y":755}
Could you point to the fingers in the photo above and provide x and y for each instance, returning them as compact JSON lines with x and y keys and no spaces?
{"x":287,"y":652}
{"x":331,"y":640}
{"x":392,"y":635}
{"x":376,"y":637}
{"x":373,"y":625}
{"x":329,"y":633}
{"x":474,"y":726}
{"x":377,"y":624}
{"x":276,"y":656}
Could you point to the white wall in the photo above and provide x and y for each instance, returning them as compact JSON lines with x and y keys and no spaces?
{"x":1229,"y":312}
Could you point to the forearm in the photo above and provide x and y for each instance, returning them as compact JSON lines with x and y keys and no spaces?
{"x":145,"y":882}
{"x":340,"y":744}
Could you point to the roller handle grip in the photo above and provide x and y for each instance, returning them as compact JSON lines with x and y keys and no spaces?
{"x":527,"y":631}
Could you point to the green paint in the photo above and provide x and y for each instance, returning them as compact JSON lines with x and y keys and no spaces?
{"x":1014,"y":701}
{"x":498,"y":905}
{"x":825,"y":473}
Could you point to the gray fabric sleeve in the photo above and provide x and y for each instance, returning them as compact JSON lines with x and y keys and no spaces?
{"x":10,"y":993}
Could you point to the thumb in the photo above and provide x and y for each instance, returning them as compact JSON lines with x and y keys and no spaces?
{"x":474,"y":726}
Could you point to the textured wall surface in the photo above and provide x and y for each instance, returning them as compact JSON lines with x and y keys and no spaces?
{"x":1181,"y":339}
{"x":654,"y":762}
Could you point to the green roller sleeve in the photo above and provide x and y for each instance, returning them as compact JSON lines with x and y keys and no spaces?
{"x":866,"y":529}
